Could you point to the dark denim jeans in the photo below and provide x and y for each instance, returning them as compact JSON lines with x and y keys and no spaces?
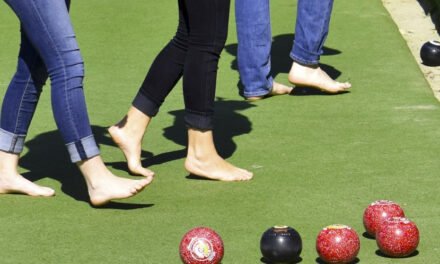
{"x":254,"y":40}
{"x":48,"y":48}
{"x":193,"y":54}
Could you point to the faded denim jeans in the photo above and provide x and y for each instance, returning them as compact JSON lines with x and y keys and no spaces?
{"x":48,"y":48}
{"x":255,"y":37}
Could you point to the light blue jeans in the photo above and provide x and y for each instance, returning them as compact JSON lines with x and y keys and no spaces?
{"x":255,"y":39}
{"x":48,"y":48}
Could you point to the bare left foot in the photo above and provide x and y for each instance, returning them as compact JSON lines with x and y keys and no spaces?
{"x":12,"y":182}
{"x":202,"y":159}
{"x":277,"y":89}
{"x":16,"y":183}
{"x":216,"y":168}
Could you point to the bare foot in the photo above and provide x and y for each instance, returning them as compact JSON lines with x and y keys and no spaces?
{"x":216,"y":168}
{"x":15,"y":183}
{"x":12,"y":182}
{"x":103,"y":186}
{"x":202,"y":159}
{"x":111,"y":187}
{"x":277,"y":89}
{"x":315,"y":77}
{"x":130,"y":144}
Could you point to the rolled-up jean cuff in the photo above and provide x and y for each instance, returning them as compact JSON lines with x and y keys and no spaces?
{"x":304,"y":57}
{"x":145,"y":105}
{"x":270,"y":83}
{"x":262,"y":91}
{"x":199,"y":121}
{"x":10,"y":142}
{"x":83,"y":149}
{"x":302,"y":61}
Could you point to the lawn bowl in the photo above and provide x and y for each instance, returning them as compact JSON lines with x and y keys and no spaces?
{"x":201,"y":245}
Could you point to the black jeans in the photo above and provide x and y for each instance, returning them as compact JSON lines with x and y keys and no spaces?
{"x":193,"y":53}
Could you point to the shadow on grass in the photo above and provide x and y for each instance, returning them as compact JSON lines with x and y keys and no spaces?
{"x":47,"y":157}
{"x":368,"y":236}
{"x":198,"y":178}
{"x":380,"y":254}
{"x":266,"y":261}
{"x":281,"y":62}
{"x":124,"y":206}
{"x":228,"y":123}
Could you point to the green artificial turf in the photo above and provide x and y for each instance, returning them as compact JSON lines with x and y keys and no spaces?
{"x":317,"y":159}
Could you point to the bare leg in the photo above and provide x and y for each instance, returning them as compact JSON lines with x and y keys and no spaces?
{"x":277,"y":89}
{"x":203,"y":160}
{"x":103,"y":186}
{"x":128,"y":135}
{"x":315,"y":77}
{"x":12,"y":182}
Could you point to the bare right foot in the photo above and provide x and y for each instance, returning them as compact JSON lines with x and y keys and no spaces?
{"x":129,"y":141}
{"x":111,"y":187}
{"x":103,"y":186}
{"x":15,"y":183}
{"x":315,"y":77}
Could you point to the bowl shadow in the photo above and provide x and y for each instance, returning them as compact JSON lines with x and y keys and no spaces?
{"x":266,"y":261}
{"x":380,"y":254}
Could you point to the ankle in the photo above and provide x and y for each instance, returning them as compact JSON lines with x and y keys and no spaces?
{"x":303,"y":65}
{"x":201,"y":145}
{"x":93,"y":169}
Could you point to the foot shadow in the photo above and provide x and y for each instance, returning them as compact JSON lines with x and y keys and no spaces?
{"x":198,"y":178}
{"x":124,"y":206}
{"x":306,"y":91}
{"x":281,"y":61}
{"x":47,"y":157}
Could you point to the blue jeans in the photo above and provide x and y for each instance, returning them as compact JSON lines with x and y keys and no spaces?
{"x":48,"y":48}
{"x":254,"y":40}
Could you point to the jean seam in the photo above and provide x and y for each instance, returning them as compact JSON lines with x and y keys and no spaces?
{"x":213,"y":43}
{"x":69,"y":118}
{"x":213,"y":48}
{"x":205,"y":81}
{"x":22,"y":98}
